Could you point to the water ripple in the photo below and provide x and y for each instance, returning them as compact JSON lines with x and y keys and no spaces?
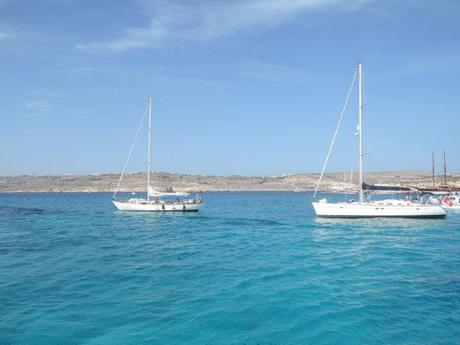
{"x":252,"y":268}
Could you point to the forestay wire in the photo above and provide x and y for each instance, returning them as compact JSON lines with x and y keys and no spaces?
{"x":335,"y":135}
{"x":129,"y":154}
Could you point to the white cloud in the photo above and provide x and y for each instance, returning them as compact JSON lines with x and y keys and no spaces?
{"x":7,"y":35}
{"x":37,"y":92}
{"x":210,"y":20}
{"x":262,"y":70}
{"x":39,"y":105}
{"x":28,"y":42}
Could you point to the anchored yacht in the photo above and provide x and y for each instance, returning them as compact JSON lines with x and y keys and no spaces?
{"x":364,"y":207}
{"x":451,"y":202}
{"x":156,"y":201}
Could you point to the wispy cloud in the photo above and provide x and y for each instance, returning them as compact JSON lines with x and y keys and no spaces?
{"x":8,"y":34}
{"x":4,"y":35}
{"x":39,"y":92}
{"x":210,"y":20}
{"x":262,"y":70}
{"x":28,"y":42}
{"x":39,"y":105}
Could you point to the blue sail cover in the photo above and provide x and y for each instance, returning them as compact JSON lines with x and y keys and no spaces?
{"x":384,"y":188}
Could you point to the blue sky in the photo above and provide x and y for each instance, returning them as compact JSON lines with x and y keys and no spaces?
{"x":239,"y":87}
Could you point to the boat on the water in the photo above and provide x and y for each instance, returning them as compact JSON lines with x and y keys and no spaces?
{"x":364,"y":207}
{"x":442,"y":189}
{"x":155,"y":201}
{"x":395,"y":208}
{"x":451,"y":202}
{"x":135,"y":204}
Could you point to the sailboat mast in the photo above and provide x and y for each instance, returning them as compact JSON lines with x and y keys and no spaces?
{"x":360,"y":131}
{"x":432,"y":169}
{"x":149,"y":148}
{"x":445,"y":169}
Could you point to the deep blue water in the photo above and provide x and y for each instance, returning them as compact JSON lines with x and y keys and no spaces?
{"x":251,"y":268}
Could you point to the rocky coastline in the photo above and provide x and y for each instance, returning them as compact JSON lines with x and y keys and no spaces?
{"x":135,"y":182}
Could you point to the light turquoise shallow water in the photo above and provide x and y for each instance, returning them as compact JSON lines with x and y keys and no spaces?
{"x":252,"y":268}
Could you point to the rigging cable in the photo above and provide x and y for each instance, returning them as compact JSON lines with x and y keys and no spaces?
{"x":335,"y":135}
{"x":129,"y":154}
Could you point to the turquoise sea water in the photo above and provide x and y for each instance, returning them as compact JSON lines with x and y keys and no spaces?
{"x":251,"y":268}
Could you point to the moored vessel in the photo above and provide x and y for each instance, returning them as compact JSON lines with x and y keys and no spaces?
{"x":191,"y":205}
{"x":443,"y":188}
{"x":451,"y":202}
{"x":385,"y":208}
{"x":364,"y":207}
{"x":155,"y":201}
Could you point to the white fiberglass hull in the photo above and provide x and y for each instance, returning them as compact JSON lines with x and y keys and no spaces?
{"x":451,"y":202}
{"x":451,"y":208}
{"x":377,"y":209}
{"x":158,"y":207}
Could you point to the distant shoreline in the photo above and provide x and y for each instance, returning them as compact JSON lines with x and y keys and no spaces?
{"x":189,"y":191}
{"x":135,"y":182}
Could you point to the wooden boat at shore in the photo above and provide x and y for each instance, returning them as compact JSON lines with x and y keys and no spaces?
{"x":364,"y":207}
{"x":443,"y":188}
{"x":156,"y":201}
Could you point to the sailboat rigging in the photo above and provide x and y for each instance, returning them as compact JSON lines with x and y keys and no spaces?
{"x":153,"y":201}
{"x":443,"y":188}
{"x":364,"y":207}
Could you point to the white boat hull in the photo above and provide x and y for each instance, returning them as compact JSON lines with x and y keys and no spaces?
{"x":451,"y":202}
{"x":451,"y":208}
{"x":158,"y":207}
{"x":377,"y":209}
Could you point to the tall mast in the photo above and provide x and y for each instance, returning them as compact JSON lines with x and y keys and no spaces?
{"x":445,"y":169}
{"x":432,"y":169}
{"x":360,"y":131}
{"x":149,"y":147}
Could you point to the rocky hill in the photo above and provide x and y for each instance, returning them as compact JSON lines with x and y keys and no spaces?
{"x":136,"y":182}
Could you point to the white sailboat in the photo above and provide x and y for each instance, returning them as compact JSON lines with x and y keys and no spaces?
{"x":451,"y":202}
{"x":154,"y":202}
{"x":364,"y":207}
